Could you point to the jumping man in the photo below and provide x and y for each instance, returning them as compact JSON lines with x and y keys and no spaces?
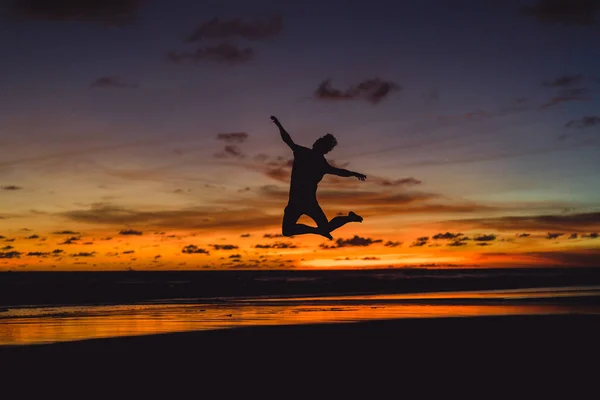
{"x":309,"y":167}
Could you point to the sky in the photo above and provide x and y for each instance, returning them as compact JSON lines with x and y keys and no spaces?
{"x":135,"y":134}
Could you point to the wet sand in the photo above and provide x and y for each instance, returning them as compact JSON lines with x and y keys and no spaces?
{"x":509,"y":352}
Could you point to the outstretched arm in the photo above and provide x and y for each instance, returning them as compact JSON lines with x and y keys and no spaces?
{"x":345,"y":173}
{"x":284,"y":135}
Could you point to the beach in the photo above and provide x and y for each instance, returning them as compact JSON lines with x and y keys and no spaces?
{"x":508,"y":351}
{"x":396,"y":333}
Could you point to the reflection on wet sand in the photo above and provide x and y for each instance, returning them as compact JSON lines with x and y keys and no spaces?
{"x":30,"y":325}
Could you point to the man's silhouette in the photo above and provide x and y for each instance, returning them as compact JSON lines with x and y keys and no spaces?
{"x":309,"y":167}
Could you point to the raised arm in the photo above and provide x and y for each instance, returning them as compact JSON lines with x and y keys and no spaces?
{"x":345,"y":173}
{"x":284,"y":135}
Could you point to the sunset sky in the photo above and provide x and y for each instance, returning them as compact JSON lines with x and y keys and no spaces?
{"x":136,"y":134}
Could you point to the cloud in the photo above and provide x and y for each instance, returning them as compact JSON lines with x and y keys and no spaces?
{"x":398,"y":182}
{"x":272,"y":235}
{"x":199,"y":219}
{"x":245,"y":235}
{"x":585,"y":122}
{"x":483,"y":244}
{"x":593,"y":235}
{"x":109,"y":12}
{"x":574,"y":236}
{"x":523,"y":235}
{"x":10,"y":254}
{"x":356,"y":241}
{"x":564,"y":12}
{"x":484,"y":238}
{"x":233,"y":137}
{"x":276,"y":245}
{"x":71,"y":240}
{"x":447,"y":235}
{"x":390,"y":243}
{"x":545,"y":223}
{"x":38,"y":254}
{"x":224,"y":246}
{"x":565,"y":96}
{"x":66,"y":233}
{"x":130,"y":232}
{"x":224,"y":53}
{"x":57,"y":251}
{"x":381,"y":199}
{"x":84,"y":254}
{"x":33,"y":237}
{"x":470,"y":116}
{"x":129,"y":252}
{"x":113,"y":82}
{"x":11,"y":187}
{"x":565,"y":80}
{"x":456,"y":243}
{"x":575,"y":258}
{"x":230,"y":151}
{"x":7,"y":247}
{"x":370,"y":258}
{"x":278,"y":168}
{"x":372,"y":90}
{"x":217,"y":28}
{"x":193,"y":249}
{"x":420,"y":242}
{"x":553,"y":235}
{"x":235,"y":256}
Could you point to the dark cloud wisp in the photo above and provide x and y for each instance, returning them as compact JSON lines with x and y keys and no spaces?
{"x":356,"y":241}
{"x":276,"y":245}
{"x":372,"y":90}
{"x":224,"y":246}
{"x":565,"y":80}
{"x":585,"y":122}
{"x":233,"y":137}
{"x":130,"y":232}
{"x":230,"y":151}
{"x":113,"y":82}
{"x":567,"y":223}
{"x":224,"y":53}
{"x":447,"y":235}
{"x":193,"y":249}
{"x":567,"y":95}
{"x":217,"y":28}
{"x":565,"y":12}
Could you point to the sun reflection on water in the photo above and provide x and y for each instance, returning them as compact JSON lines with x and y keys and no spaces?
{"x":30,"y":325}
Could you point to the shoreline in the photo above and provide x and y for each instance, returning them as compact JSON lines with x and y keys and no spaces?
{"x":82,"y":288}
{"x":455,"y":323}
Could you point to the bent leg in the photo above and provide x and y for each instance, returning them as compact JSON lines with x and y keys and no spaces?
{"x":320,"y":218}
{"x":291,"y":228}
{"x":340,"y":221}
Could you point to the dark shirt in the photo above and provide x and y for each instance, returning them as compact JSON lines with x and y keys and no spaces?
{"x":307,"y":171}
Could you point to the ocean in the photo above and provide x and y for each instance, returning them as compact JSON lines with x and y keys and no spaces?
{"x":48,"y":307}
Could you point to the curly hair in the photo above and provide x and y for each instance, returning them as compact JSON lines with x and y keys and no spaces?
{"x":325,"y":143}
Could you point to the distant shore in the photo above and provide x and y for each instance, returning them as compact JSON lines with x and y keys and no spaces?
{"x":61,"y":288}
{"x":528,"y":347}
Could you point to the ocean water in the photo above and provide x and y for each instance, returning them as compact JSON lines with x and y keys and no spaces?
{"x":36,"y":324}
